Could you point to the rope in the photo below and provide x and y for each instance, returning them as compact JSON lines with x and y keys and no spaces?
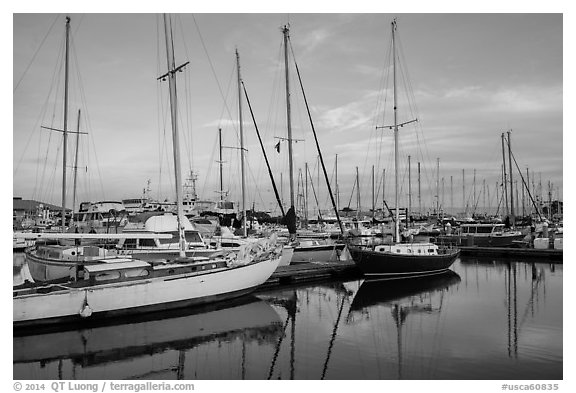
{"x":35,"y":53}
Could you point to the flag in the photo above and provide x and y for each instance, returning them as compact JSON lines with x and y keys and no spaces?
{"x":277,"y":147}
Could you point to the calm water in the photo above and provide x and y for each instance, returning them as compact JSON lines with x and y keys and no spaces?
{"x":486,"y":320}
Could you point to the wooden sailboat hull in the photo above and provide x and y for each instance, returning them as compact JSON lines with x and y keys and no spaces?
{"x":391,"y":265}
{"x":137,"y":296}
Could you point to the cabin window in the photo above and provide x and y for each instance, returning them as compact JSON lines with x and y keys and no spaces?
{"x":409,"y":250}
{"x":136,"y":273}
{"x":193,"y":237}
{"x":419,"y":251}
{"x":147,"y":243}
{"x":484,"y":229}
{"x":430,"y":250}
{"x":225,"y":205}
{"x":398,"y":250}
{"x":107,"y":276}
{"x":130,"y":244}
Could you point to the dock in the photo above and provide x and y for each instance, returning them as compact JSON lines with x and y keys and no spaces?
{"x":313,"y":271}
{"x":551,"y":255}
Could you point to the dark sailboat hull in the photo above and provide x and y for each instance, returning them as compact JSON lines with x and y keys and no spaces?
{"x":390,"y":265}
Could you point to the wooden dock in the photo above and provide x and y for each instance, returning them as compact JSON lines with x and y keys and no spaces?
{"x":551,"y":255}
{"x":314,"y":271}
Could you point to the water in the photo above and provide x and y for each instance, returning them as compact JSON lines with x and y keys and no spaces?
{"x":487,"y":320}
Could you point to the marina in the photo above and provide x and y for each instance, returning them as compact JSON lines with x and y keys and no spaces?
{"x":335,"y":232}
{"x":487,"y":319}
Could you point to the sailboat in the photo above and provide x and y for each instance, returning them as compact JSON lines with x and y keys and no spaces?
{"x":399,"y":260}
{"x":130,"y":286}
{"x":311,"y":249}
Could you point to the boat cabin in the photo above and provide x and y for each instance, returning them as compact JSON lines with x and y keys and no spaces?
{"x":409,"y":248}
{"x":120,"y":269}
{"x":482,"y":229}
{"x":193,"y":240}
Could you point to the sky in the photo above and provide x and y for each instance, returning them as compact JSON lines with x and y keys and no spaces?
{"x":466,"y":77}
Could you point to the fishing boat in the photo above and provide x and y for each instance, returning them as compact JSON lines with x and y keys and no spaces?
{"x":401,"y":259}
{"x":124,"y":286}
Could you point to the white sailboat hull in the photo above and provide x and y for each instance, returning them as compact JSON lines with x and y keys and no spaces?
{"x":128,"y":297}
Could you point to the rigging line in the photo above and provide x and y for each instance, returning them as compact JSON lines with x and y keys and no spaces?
{"x":274,"y":110}
{"x":352,"y":193}
{"x":87,"y":119}
{"x":211,"y":65}
{"x":315,"y":197}
{"x":35,"y":53}
{"x":209,"y":170}
{"x":317,"y":143}
{"x":278,"y":199}
{"x":411,"y":100}
{"x":188,"y":136}
{"x":56,"y":80}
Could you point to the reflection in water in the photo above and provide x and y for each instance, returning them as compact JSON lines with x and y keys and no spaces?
{"x":247,"y":319}
{"x":489,"y":319}
{"x":402,"y":298}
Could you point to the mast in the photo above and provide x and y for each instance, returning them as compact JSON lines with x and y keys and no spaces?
{"x":442,"y":205}
{"x":504,"y":180}
{"x":383,"y":190}
{"x":337,"y":189}
{"x":221,"y":162}
{"x":419,"y":191}
{"x":438,"y":187}
{"x":306,"y":192}
{"x":64,"y":150}
{"x":171,"y":75}
{"x":76,"y":166}
{"x":397,"y":211}
{"x":357,"y":195}
{"x":245,"y":217}
{"x":373,"y":200}
{"x":463,"y":193}
{"x":285,"y":32}
{"x":409,"y":192}
{"x":451,"y":194}
{"x":528,"y":190}
{"x":512,"y":218}
{"x":474,"y":193}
